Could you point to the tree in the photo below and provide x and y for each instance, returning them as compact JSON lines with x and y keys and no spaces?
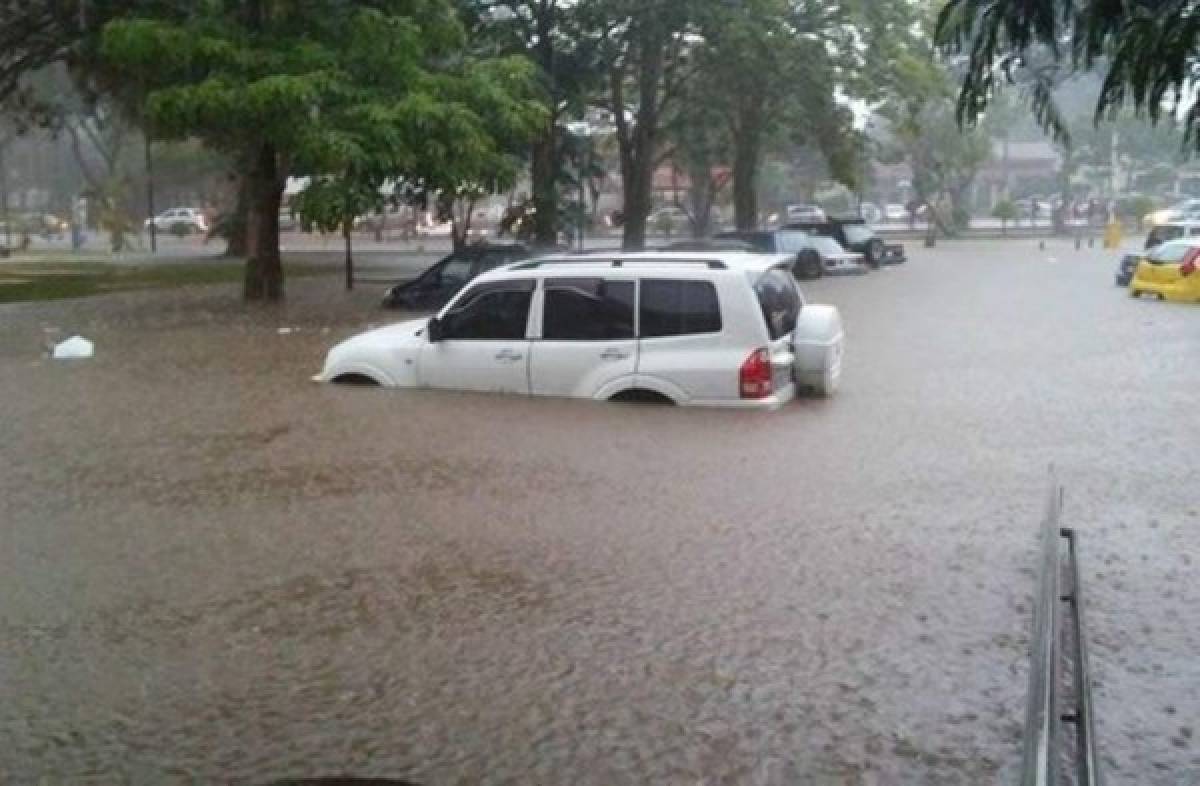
{"x":1147,"y":52}
{"x":354,"y":91}
{"x":773,"y":67}
{"x":1006,"y":211}
{"x":920,"y":114}
{"x":557,"y":39}
{"x":648,"y":44}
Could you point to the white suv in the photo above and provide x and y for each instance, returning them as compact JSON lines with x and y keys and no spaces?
{"x":727,"y":329}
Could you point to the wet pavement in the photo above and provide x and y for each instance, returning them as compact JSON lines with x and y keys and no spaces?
{"x":213,"y":570}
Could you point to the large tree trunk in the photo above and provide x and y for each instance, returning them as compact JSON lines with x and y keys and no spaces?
{"x":264,"y":269}
{"x":747,"y":156}
{"x":238,"y":243}
{"x":639,"y":145}
{"x":545,"y":186}
{"x":701,"y":194}
{"x":745,"y":188}
{"x":347,"y":230}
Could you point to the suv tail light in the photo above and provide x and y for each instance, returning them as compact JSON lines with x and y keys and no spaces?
{"x":754,"y":378}
{"x":1189,"y":267}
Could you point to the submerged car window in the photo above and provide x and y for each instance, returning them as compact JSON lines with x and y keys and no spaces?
{"x":1170,"y":252}
{"x":456,"y":271}
{"x":776,"y":290}
{"x":1160,"y":235}
{"x":679,"y":308}
{"x":491,"y":314}
{"x":759,"y":240}
{"x":827,"y":245}
{"x":792,"y":242}
{"x":588,"y":309}
{"x":857,"y":233}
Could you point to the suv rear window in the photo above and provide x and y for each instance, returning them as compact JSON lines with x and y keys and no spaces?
{"x":588,"y":309}
{"x":679,"y":308}
{"x":779,"y":301}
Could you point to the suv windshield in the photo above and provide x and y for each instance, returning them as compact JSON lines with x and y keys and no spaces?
{"x":780,"y":301}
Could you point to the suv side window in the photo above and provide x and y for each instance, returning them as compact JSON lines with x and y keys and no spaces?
{"x":588,"y":309}
{"x":492,"y":312}
{"x":679,"y":308}
{"x":780,"y":302}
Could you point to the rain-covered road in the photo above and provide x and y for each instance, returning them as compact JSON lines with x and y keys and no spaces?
{"x":212,"y":569}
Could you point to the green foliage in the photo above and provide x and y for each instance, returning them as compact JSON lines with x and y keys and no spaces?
{"x":920,"y":114}
{"x":1146,"y":52}
{"x":1005,"y":210}
{"x":352,"y":94}
{"x":1135,"y":207}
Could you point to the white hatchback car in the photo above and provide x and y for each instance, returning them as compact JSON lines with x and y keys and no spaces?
{"x":727,"y":329}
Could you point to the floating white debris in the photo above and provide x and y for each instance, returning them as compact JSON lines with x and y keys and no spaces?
{"x":73,"y":348}
{"x":286,"y":331}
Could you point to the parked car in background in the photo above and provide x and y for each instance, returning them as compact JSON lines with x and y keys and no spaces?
{"x":803,"y":213}
{"x":1187,"y":210}
{"x":669,"y":220}
{"x":895,"y":213}
{"x":1170,"y":272}
{"x":870,"y":212}
{"x":439,"y":283}
{"x":1173,"y":230}
{"x":814,"y":256}
{"x":710,"y":244}
{"x":705,"y":329}
{"x":854,"y":235}
{"x":179,"y":220}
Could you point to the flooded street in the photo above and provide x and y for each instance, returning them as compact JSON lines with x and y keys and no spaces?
{"x":213,"y":569}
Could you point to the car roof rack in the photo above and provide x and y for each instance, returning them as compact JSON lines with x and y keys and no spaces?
{"x":711,"y":264}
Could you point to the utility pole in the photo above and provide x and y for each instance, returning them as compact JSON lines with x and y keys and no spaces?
{"x":4,"y":197}
{"x":1116,"y":163}
{"x":150,"y":196}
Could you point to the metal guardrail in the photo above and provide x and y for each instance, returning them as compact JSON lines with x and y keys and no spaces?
{"x":1056,"y":646}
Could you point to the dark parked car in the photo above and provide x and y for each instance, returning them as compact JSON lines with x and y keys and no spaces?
{"x":855,"y":235}
{"x":816,"y":255}
{"x":434,"y":288}
{"x":714,"y":245}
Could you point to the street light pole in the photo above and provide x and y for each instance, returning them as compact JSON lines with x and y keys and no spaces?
{"x":4,"y":197}
{"x":150,"y":196}
{"x":582,"y":201}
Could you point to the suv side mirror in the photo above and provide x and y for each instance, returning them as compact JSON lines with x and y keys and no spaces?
{"x":434,"y":330}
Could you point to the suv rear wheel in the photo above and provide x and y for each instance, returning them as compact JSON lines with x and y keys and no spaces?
{"x":639,"y":396}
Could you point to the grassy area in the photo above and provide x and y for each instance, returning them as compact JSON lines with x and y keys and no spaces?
{"x":46,"y":277}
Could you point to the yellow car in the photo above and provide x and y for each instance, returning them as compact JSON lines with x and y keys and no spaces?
{"x":1170,"y":271}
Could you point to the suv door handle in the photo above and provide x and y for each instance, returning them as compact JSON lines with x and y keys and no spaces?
{"x":613,"y":354}
{"x":508,"y":356}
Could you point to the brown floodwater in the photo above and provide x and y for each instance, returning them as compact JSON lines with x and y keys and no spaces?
{"x":212,"y":569}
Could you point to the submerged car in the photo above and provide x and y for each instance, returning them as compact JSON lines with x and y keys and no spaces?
{"x":855,"y":235}
{"x":1171,"y":230}
{"x":434,"y":287}
{"x":722,"y":329}
{"x":1170,"y":272}
{"x":814,"y":256}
